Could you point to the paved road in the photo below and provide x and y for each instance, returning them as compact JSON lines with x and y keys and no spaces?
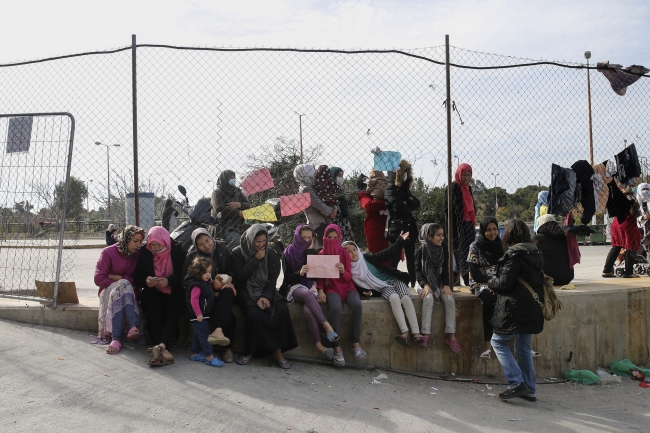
{"x":53,"y":380}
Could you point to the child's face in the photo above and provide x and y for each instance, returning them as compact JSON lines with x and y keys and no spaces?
{"x":352,"y":250}
{"x":332,"y":234}
{"x":208,"y":274}
{"x":437,"y":238}
{"x":307,"y":235}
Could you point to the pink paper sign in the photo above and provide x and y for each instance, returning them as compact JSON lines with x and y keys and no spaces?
{"x":259,"y":180}
{"x":323,"y":266}
{"x":292,"y":204}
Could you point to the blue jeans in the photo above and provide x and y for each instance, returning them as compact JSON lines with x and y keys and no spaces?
{"x":118,"y":321}
{"x":200,"y":338}
{"x":518,"y":371}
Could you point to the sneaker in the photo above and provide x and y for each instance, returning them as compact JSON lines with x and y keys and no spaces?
{"x":631,"y":276}
{"x":519,"y":391}
{"x":608,"y":275}
{"x":535,"y":354}
{"x":529,"y":397}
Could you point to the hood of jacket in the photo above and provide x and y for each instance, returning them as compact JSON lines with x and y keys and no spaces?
{"x":404,"y":167}
{"x":529,"y":252}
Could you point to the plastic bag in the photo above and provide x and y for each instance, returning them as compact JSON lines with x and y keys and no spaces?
{"x":623,"y":367}
{"x":585,"y":377}
{"x":606,"y":378}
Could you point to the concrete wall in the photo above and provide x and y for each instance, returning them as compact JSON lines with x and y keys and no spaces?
{"x":599,"y":327}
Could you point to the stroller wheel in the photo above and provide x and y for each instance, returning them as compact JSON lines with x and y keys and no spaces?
{"x":619,"y":271}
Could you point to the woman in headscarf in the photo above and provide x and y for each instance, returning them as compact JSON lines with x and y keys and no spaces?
{"x":432,"y":271}
{"x":463,"y":218}
{"x":401,"y":203}
{"x":222,"y":319}
{"x":370,"y":275}
{"x":625,"y":235}
{"x":551,"y":240}
{"x":318,"y":213}
{"x":269,"y":329}
{"x":371,"y":198}
{"x":159,"y":274}
{"x":228,"y":202}
{"x":541,"y":208}
{"x":336,"y":291}
{"x":169,"y":216}
{"x":111,"y":239}
{"x":643,"y":198}
{"x":298,"y":288}
{"x":484,"y":253}
{"x":118,"y":301}
{"x":343,"y":213}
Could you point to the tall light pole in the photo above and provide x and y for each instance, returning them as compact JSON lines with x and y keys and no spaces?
{"x":300,"y":119}
{"x":87,"y":198}
{"x":496,"y":197}
{"x":108,"y":173}
{"x":591,"y":135}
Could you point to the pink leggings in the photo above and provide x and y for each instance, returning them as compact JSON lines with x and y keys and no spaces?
{"x":313,"y":312}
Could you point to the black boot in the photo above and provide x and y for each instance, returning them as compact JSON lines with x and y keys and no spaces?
{"x":520,"y":390}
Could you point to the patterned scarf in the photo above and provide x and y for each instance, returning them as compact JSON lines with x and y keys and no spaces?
{"x":126,"y":235}
{"x":325,"y":187}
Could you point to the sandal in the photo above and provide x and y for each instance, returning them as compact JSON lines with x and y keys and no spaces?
{"x":134,"y":334}
{"x":402,"y":341}
{"x":154,"y":351}
{"x":160,"y":356}
{"x":160,"y":361}
{"x":227,"y":356}
{"x":214,"y":362}
{"x":338,"y":360}
{"x":329,"y":353}
{"x":199,"y":357}
{"x":114,"y":347}
{"x":101,"y":340}
{"x":359,"y":352}
{"x":242,"y":360}
{"x":455,"y":345}
{"x":284,"y":364}
{"x":424,"y":341}
{"x":332,"y":337}
{"x":486,"y":354}
{"x":218,"y":339}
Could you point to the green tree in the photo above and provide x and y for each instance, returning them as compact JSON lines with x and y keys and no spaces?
{"x":77,"y":194}
{"x":22,"y":207}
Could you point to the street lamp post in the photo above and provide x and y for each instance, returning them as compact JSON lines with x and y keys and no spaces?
{"x":591,"y":135}
{"x":87,"y":198}
{"x":496,"y":197}
{"x":300,"y":119}
{"x":108,"y":174}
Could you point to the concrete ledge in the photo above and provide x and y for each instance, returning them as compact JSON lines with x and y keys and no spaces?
{"x":601,"y":322}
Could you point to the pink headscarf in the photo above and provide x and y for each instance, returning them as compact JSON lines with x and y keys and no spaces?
{"x":162,"y":262}
{"x":468,"y":201}
{"x":332,"y":247}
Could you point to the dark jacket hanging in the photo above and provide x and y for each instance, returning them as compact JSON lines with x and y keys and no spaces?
{"x":584,"y":171}
{"x":562,"y":193}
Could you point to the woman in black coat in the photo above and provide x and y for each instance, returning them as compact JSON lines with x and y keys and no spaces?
{"x":222,"y":320}
{"x":463,"y":218}
{"x":159,"y":273}
{"x":551,"y":240}
{"x":269,"y":329}
{"x":517,"y":313}
{"x":401,"y":203}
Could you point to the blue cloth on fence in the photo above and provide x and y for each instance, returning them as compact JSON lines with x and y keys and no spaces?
{"x":387,"y":160}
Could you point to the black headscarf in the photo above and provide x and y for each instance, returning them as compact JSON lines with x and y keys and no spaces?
{"x":492,"y":250}
{"x":223,"y":182}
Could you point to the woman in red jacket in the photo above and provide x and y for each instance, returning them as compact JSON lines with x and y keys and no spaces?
{"x":371,"y":198}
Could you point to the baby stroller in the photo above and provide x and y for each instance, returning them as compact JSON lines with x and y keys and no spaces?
{"x":641,"y":263}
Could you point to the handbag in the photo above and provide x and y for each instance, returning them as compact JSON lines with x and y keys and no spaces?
{"x":551,"y":304}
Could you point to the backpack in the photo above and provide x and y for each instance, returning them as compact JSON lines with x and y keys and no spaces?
{"x":551,"y":304}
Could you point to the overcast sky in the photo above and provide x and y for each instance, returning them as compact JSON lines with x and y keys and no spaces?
{"x":551,"y":29}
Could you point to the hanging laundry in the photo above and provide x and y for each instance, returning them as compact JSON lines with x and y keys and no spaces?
{"x":599,"y":187}
{"x":620,"y":78}
{"x":617,"y":203}
{"x":603,"y":193}
{"x":627,"y":165}
{"x":584,"y":172}
{"x":562,"y":193}
{"x":572,"y":242}
{"x":610,"y":167}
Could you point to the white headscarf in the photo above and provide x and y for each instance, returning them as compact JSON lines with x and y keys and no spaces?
{"x":362,"y":276}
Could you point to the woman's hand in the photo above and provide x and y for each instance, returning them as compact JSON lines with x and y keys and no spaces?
{"x":259,"y":255}
{"x":163,"y":282}
{"x":447,"y":291}
{"x":341,"y":268}
{"x":321,"y":297}
{"x":152,"y":281}
{"x":263,"y":303}
{"x":229,"y":286}
{"x":199,"y":318}
{"x":304,"y":270}
{"x":333,"y":214}
{"x":114,"y":277}
{"x":425,"y":291}
{"x":646,"y":217}
{"x":234,"y":205}
{"x":403,"y":235}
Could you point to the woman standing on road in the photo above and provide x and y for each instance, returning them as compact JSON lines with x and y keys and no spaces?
{"x":117,"y":297}
{"x":159,"y":273}
{"x":517,"y":314}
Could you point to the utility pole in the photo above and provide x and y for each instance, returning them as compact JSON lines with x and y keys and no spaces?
{"x":300,"y":119}
{"x":591,"y":135}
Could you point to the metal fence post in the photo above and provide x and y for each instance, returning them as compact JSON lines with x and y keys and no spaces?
{"x":136,"y":190}
{"x":450,"y":190}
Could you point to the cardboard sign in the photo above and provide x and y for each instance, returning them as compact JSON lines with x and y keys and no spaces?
{"x":323,"y":266}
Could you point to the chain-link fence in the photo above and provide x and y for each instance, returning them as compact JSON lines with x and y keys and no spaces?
{"x":203,"y":111}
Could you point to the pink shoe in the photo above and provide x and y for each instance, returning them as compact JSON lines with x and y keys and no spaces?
{"x":114,"y":347}
{"x":455,"y":345}
{"x":133,"y":334}
{"x":423,"y":341}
